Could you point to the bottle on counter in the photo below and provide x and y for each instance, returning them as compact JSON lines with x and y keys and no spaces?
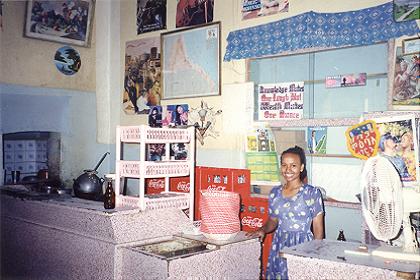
{"x":109,"y":197}
{"x":341,"y":236}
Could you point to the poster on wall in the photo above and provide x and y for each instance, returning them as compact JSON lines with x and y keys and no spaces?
{"x":1,"y":15}
{"x":189,"y":13}
{"x":347,"y":80}
{"x":260,"y":139}
{"x":264,"y":166}
{"x":175,"y":115}
{"x":258,"y":8}
{"x":317,"y":140}
{"x":155,"y":116}
{"x":406,"y":86}
{"x":398,"y":142}
{"x":406,"y":10}
{"x":282,"y":101}
{"x":142,"y":75}
{"x":151,"y":15}
{"x":64,"y":21}
{"x":363,"y":139}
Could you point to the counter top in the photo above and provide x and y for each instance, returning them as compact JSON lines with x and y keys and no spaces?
{"x":332,"y":250}
{"x":89,"y":218}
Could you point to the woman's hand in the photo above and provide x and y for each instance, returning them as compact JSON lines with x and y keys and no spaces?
{"x":257,"y":233}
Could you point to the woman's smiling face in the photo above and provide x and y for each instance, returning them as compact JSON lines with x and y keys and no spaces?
{"x":291,"y":167}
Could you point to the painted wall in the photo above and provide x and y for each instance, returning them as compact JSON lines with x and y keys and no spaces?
{"x":71,"y":113}
{"x":30,"y":62}
{"x":27,"y":72}
{"x":228,"y":12}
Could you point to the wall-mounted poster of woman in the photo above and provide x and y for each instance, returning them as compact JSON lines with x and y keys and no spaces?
{"x":155,"y":116}
{"x":398,"y":142}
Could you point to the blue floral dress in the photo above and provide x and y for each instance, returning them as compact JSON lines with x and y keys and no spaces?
{"x":294,"y":216}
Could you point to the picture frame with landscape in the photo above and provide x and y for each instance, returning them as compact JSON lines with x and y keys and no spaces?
{"x":67,"y":22}
{"x":191,"y":62}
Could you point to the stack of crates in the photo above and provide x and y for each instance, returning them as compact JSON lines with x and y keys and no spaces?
{"x":25,"y":156}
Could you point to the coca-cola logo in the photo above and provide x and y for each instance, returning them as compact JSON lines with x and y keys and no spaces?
{"x":252,"y":222}
{"x":183,"y":186}
{"x":214,"y":188}
{"x":157,"y":184}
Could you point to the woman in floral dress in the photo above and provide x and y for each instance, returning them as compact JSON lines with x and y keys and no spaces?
{"x":293,"y":208}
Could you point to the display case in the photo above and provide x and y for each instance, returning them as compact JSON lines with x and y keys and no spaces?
{"x":166,"y":167}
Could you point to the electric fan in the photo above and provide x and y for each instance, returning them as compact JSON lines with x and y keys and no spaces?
{"x":386,"y":205}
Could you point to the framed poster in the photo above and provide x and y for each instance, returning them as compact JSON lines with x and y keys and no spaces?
{"x":406,"y":84}
{"x":191,"y":62}
{"x":63,"y":21}
{"x":406,"y":10}
{"x":398,"y":142}
{"x":411,"y":45}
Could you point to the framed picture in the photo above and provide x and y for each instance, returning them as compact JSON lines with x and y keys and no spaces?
{"x":411,"y":46}
{"x":191,"y":62}
{"x":406,"y":83}
{"x":406,"y":10}
{"x":64,"y":21}
{"x":399,"y":143}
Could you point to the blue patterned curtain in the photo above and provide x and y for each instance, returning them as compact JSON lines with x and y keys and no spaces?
{"x":318,"y":30}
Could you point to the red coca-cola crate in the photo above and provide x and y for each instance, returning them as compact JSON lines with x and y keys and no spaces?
{"x":254,"y":214}
{"x":155,"y":185}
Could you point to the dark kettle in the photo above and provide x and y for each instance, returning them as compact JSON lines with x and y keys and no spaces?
{"x":89,"y":185}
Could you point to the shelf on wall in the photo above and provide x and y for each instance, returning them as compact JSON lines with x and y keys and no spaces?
{"x":330,"y":155}
{"x":338,"y":121}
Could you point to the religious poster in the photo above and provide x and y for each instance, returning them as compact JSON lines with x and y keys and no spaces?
{"x":189,"y":13}
{"x":142,"y":75}
{"x":259,"y":8}
{"x":151,"y":15}
{"x":406,"y":86}
{"x":282,"y":101}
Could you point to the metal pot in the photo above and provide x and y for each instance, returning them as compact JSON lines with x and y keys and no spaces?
{"x":89,"y":185}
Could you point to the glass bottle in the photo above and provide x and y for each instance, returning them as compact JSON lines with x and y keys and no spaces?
{"x":341,"y":236}
{"x":109,"y":197}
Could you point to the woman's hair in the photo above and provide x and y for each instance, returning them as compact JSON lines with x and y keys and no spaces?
{"x":296,"y":150}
